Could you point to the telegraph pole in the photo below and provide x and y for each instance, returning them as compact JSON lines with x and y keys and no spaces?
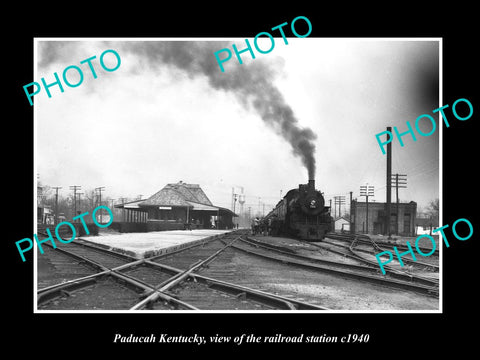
{"x":79,"y":201}
{"x":100,"y":189}
{"x":339,"y":200}
{"x":398,"y":181}
{"x":123,"y":207}
{"x":234,"y":203}
{"x":75,"y":188}
{"x":366,"y":191}
{"x":56,"y":203}
{"x":350,"y":217}
{"x":389,"y":185}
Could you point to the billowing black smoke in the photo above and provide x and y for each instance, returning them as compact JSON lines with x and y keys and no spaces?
{"x":251,"y":83}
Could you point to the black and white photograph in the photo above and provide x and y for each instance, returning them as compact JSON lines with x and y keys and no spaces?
{"x":258,"y":185}
{"x":220,"y":180}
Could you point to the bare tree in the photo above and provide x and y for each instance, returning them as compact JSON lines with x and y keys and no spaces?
{"x":433,"y":209}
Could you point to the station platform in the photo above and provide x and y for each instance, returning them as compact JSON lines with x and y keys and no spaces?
{"x":146,"y":244}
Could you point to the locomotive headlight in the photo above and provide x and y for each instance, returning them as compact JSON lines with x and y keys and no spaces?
{"x":312,"y":204}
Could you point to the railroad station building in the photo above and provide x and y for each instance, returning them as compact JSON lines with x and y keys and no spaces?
{"x":401,"y":223}
{"x":175,"y":207}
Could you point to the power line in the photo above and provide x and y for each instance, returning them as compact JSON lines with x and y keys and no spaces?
{"x":398,"y":181}
{"x":100,"y":189}
{"x":367,"y":190}
{"x":75,"y":188}
{"x":56,"y":202}
{"x":338,"y":200}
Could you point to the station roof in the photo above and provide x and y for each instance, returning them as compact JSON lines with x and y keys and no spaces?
{"x":177,"y":195}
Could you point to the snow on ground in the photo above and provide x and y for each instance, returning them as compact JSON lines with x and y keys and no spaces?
{"x":140,"y":243}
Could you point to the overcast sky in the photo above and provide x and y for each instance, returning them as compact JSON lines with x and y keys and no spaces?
{"x":166,"y":114}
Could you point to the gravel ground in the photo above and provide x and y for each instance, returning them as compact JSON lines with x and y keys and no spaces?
{"x":331,"y":291}
{"x":106,"y":294}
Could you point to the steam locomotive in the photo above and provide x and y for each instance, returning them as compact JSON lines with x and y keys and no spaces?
{"x":301,"y":213}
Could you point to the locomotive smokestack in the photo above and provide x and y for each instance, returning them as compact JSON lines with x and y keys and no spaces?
{"x":311,"y":184}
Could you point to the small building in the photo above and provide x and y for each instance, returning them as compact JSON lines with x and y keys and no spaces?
{"x":176,"y":206}
{"x":402,"y":223}
{"x":45,"y":215}
{"x":425,"y":225}
{"x":342,"y":224}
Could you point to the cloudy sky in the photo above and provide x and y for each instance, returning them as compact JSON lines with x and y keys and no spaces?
{"x":168,"y":114}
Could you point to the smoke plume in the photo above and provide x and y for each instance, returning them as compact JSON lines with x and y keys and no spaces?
{"x":251,"y":83}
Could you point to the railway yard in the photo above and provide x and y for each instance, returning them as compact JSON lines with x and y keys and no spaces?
{"x":232,"y":270}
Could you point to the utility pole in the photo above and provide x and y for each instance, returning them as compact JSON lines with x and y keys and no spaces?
{"x":350,"y":217}
{"x":389,"y":185}
{"x":234,"y":202}
{"x":241,"y":201}
{"x":123,"y":208}
{"x":100,"y":189}
{"x":366,"y":191}
{"x":398,"y":181}
{"x":75,"y":188}
{"x":79,"y":201}
{"x":56,"y":203}
{"x":339,"y":200}
{"x":112,"y":205}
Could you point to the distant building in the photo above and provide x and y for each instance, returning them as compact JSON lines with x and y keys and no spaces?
{"x":402,"y":223}
{"x":425,"y":225}
{"x":177,"y":206}
{"x":342,"y":224}
{"x":45,"y":214}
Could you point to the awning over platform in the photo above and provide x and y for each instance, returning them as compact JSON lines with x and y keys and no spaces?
{"x":203,"y":207}
{"x":130,"y":205}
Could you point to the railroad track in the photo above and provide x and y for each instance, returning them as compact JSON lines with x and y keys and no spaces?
{"x":370,"y":273}
{"x":354,"y":253}
{"x":371,"y":266}
{"x":373,"y":248}
{"x":123,"y":282}
{"x":378,"y":245}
